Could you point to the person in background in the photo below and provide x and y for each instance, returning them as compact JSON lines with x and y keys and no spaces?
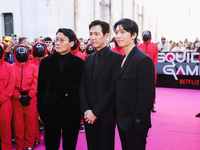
{"x":116,"y":48}
{"x":58,"y":93}
{"x":48,"y":43}
{"x":138,"y":42}
{"x":163,"y":46}
{"x":25,"y":41}
{"x":97,"y":91}
{"x":24,"y":99}
{"x":75,"y":50}
{"x":38,"y":52}
{"x":89,"y":49}
{"x":180,"y":49}
{"x":41,"y":39}
{"x":172,"y":45}
{"x":36,"y":40}
{"x":151,"y":50}
{"x":197,"y":46}
{"x":135,"y":88}
{"x":9,"y":57}
{"x":82,"y":47}
{"x":7,"y":86}
{"x":191,"y":48}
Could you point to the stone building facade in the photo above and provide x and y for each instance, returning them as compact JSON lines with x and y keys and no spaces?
{"x":35,"y":18}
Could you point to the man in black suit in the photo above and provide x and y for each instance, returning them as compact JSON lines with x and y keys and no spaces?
{"x":58,"y":93}
{"x":97,"y":90}
{"x":135,"y":88}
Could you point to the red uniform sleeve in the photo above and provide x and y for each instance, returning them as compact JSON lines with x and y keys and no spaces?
{"x":7,"y":93}
{"x":33,"y":89}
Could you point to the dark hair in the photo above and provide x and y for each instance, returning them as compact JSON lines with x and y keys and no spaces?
{"x":69,"y":33}
{"x":128,"y":25}
{"x":48,"y":39}
{"x":21,"y":40}
{"x":104,"y":25}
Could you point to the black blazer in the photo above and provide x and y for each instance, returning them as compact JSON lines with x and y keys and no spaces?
{"x":97,"y":92}
{"x":54,"y":89}
{"x":135,"y":91}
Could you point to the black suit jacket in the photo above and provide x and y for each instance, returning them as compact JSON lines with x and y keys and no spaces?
{"x":135,"y":91}
{"x":56,"y":89}
{"x":97,"y":92}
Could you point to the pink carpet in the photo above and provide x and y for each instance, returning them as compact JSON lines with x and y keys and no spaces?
{"x":175,"y":126}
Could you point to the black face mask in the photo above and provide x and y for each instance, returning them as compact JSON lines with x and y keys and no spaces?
{"x":90,"y":49}
{"x":75,"y":45}
{"x":1,"y":52}
{"x":21,"y":54}
{"x":146,"y":36}
{"x":38,"y":50}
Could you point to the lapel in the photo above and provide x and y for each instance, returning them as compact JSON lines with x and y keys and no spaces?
{"x":128,"y":60}
{"x":101,"y":63}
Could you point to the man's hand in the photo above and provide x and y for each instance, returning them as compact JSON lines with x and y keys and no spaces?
{"x":89,"y":117}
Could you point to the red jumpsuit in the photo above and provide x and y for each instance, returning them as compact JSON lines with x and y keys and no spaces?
{"x":150,"y":49}
{"x":7,"y":85}
{"x":78,"y":54}
{"x":36,"y":62}
{"x":118,"y":50}
{"x":24,"y":116}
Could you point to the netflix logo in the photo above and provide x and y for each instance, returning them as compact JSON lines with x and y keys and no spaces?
{"x":189,"y":81}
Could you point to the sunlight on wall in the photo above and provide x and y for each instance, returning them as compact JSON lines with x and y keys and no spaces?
{"x":177,"y":19}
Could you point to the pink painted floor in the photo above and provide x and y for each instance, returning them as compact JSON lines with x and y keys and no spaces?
{"x":174,"y":125}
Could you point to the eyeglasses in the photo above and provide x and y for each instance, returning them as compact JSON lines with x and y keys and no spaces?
{"x":61,"y":41}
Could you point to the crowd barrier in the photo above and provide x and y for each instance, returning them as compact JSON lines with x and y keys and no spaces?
{"x":177,"y":70}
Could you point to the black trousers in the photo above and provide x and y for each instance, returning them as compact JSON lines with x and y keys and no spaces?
{"x":100,"y":136}
{"x":65,"y":121}
{"x":133,"y":140}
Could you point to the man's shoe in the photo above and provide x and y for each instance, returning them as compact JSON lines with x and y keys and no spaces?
{"x":198,"y":115}
{"x":81,"y":129}
{"x":41,"y":128}
{"x":29,"y":148}
{"x":153,"y":109}
{"x":13,"y":141}
{"x":36,"y":144}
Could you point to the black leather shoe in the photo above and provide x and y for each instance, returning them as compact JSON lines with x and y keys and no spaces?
{"x":36,"y":144}
{"x":198,"y":115}
{"x":29,"y":148}
{"x":153,"y":109}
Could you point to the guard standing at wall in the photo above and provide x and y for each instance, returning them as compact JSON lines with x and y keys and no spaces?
{"x":7,"y":84}
{"x":150,"y":49}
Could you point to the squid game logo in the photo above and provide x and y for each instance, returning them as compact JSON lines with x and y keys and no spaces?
{"x":173,"y":69}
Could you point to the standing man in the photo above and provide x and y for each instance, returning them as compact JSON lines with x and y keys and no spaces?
{"x":135,"y":88}
{"x":163,"y":46}
{"x":96,"y":90}
{"x":58,"y":93}
{"x":24,"y":99}
{"x":151,"y":50}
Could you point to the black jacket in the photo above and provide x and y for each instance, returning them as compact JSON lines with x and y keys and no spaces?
{"x":55,"y":89}
{"x":97,"y":92}
{"x":135,"y":91}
